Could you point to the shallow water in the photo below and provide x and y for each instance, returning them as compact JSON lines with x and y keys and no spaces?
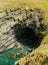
{"x":5,"y":56}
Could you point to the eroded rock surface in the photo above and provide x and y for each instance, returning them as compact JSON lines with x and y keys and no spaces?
{"x":31,"y":18}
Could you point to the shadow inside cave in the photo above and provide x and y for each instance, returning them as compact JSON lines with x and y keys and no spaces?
{"x":26,"y":36}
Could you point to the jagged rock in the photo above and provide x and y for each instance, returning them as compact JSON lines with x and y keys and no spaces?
{"x":25,"y":18}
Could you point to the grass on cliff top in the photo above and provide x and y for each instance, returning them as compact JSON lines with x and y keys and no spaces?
{"x":42,"y":4}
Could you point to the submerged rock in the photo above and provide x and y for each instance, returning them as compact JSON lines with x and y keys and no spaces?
{"x":13,"y":55}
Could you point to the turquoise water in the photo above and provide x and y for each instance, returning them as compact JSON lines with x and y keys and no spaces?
{"x":5,"y":56}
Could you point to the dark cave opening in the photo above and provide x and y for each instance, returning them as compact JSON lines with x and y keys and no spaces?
{"x":26,"y":36}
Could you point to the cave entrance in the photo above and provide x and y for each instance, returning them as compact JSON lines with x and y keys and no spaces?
{"x":26,"y":36}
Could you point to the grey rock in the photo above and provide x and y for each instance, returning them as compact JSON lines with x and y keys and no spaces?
{"x":9,"y":18}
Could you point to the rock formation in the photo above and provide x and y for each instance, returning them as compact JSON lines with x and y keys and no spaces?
{"x":9,"y":19}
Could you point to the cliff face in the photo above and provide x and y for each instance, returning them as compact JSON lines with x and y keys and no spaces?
{"x":38,"y":56}
{"x":18,"y":27}
{"x":8,"y":37}
{"x":17,"y":24}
